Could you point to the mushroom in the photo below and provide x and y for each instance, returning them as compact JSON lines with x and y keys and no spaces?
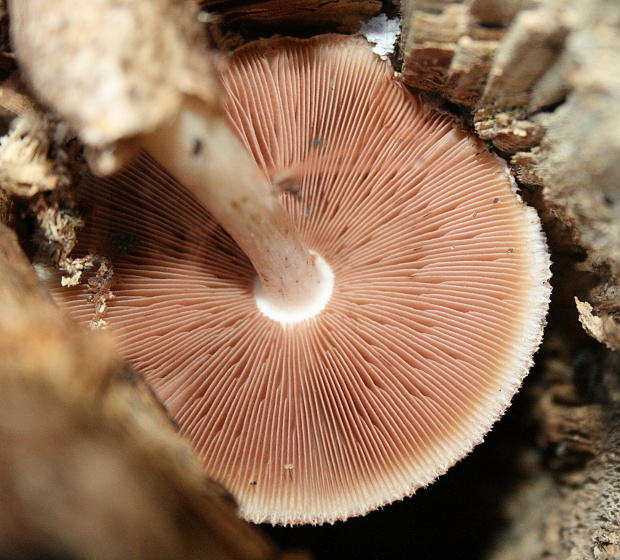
{"x":138,"y":75}
{"x":410,"y":285}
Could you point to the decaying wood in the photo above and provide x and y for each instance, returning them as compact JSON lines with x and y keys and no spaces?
{"x":241,"y":20}
{"x":90,"y":465}
{"x":571,"y":509}
{"x":26,"y":167}
{"x":536,"y":78}
{"x":602,"y":327}
{"x":40,"y":164}
{"x":13,"y":97}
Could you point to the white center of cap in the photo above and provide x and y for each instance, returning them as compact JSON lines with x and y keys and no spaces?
{"x":311,"y":307}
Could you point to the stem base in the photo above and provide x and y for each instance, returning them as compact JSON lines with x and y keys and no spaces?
{"x":317,"y":298}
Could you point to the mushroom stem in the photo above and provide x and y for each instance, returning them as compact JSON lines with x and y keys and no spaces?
{"x":204,"y":154}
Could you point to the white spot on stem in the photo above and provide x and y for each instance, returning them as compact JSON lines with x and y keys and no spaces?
{"x":313,"y":305}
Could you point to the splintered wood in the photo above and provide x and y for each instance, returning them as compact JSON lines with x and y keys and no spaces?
{"x":344,"y":16}
{"x":535,"y":78}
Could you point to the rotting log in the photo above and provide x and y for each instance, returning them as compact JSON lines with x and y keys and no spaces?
{"x":535,"y":80}
{"x":238,"y":21}
{"x":569,"y":507}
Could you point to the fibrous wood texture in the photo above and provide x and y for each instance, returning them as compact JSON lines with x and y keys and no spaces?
{"x":536,"y":78}
{"x":571,"y":509}
{"x":251,"y":19}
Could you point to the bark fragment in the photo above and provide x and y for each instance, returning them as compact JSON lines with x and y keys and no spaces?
{"x":535,"y":76}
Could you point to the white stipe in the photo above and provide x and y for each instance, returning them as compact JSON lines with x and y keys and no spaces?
{"x":299,"y":312}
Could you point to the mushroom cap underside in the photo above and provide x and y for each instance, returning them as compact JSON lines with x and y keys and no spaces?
{"x":441,"y":289}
